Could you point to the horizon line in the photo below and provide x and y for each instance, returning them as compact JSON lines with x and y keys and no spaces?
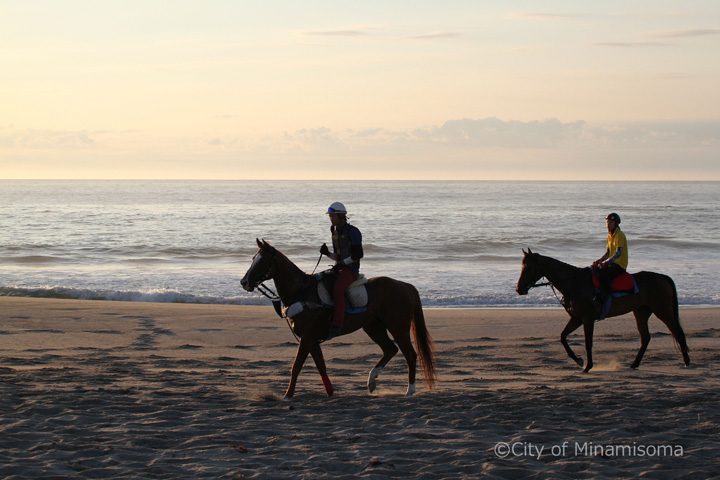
{"x":185,"y":179}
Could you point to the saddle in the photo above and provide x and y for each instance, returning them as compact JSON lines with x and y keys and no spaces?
{"x":356,"y":297}
{"x":623,"y":283}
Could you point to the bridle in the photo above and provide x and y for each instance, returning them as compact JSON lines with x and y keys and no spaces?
{"x":545,"y":284}
{"x":270,"y":293}
{"x":260,"y":284}
{"x":550,"y":284}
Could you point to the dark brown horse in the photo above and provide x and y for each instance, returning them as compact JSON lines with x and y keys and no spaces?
{"x":393,"y":306}
{"x":657,"y":294}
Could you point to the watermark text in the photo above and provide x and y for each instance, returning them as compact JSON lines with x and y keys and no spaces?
{"x":585,"y":449}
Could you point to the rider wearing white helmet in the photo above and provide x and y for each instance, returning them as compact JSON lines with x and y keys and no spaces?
{"x":347,"y":252}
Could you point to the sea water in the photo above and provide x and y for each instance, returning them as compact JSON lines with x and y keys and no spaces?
{"x":459,"y":243}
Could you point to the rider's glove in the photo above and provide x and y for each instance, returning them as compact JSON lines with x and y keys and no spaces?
{"x":324,"y":250}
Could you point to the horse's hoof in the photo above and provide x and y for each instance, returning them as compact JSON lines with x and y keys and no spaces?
{"x":587,"y":369}
{"x":371,"y":383}
{"x":287,"y":398}
{"x":410,"y":390}
{"x":634,"y":366}
{"x":580,"y":362}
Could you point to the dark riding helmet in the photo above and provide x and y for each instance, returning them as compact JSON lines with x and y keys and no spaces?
{"x":614,"y":217}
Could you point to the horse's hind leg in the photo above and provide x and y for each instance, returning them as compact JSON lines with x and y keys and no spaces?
{"x":641,"y":318}
{"x":571,"y":326}
{"x":672,"y":322}
{"x":377,"y":332}
{"x":406,"y":346}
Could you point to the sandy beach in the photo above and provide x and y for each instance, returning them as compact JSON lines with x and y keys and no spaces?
{"x":95,"y":389}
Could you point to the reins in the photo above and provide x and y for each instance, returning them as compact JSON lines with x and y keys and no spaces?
{"x":317,"y":264}
{"x":275,"y":298}
{"x":277,"y":304}
{"x":549,"y":283}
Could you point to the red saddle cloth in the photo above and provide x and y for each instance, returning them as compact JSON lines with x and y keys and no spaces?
{"x":621,"y":283}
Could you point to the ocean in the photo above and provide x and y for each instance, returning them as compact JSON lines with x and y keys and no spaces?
{"x":460,"y":243}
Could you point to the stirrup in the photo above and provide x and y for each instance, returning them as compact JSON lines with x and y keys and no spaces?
{"x":334,"y":332}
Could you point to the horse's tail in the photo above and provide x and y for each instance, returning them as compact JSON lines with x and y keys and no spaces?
{"x":678,"y":333}
{"x":423,"y":341}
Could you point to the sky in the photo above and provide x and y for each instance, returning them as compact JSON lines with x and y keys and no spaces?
{"x":341,"y":90}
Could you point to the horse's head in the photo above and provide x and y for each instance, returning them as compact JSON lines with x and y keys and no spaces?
{"x":530,"y":273}
{"x":262,"y":267}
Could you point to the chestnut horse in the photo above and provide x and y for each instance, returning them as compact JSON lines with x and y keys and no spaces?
{"x":393,"y":306}
{"x":657,"y":294}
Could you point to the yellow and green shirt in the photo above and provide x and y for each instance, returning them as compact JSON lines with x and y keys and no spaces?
{"x":615,"y":241}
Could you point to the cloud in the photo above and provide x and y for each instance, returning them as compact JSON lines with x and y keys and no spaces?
{"x":511,"y":139}
{"x":684,"y":135}
{"x":687,"y":33}
{"x":337,"y":33}
{"x":370,"y":132}
{"x":459,"y":148}
{"x":374,"y":32}
{"x":463,"y":133}
{"x":540,"y":16}
{"x":495,"y":148}
{"x":493,"y":132}
{"x":629,"y":44}
{"x":666,"y":35}
{"x":49,"y":139}
{"x":433,"y":36}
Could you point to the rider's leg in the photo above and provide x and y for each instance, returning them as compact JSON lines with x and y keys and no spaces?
{"x":345,"y":278}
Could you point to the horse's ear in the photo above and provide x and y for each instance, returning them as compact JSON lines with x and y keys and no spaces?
{"x":524,"y":252}
{"x":260,"y":245}
{"x":529,"y":251}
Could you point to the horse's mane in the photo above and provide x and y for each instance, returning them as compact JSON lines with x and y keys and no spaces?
{"x":298,"y":270}
{"x":561,"y":274}
{"x":558,"y":264}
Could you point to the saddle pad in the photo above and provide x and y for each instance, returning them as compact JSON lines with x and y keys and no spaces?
{"x":623,"y":282}
{"x":356,"y":296}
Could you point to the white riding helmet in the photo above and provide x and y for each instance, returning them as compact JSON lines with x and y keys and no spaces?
{"x":336,"y":207}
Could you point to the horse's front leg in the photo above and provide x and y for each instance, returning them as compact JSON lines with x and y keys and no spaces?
{"x":571,"y":326}
{"x":589,"y":327}
{"x":300,"y":357}
{"x":317,"y":355}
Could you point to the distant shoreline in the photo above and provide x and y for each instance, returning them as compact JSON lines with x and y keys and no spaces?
{"x":343,"y":181}
{"x":230,"y":304}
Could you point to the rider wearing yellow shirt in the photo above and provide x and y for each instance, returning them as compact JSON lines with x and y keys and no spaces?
{"x":616,"y":255}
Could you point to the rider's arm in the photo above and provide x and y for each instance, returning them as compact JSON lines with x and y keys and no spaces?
{"x":604,"y":257}
{"x":356,"y":249}
{"x":617,"y":255}
{"x":356,"y":253}
{"x":326,"y":251}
